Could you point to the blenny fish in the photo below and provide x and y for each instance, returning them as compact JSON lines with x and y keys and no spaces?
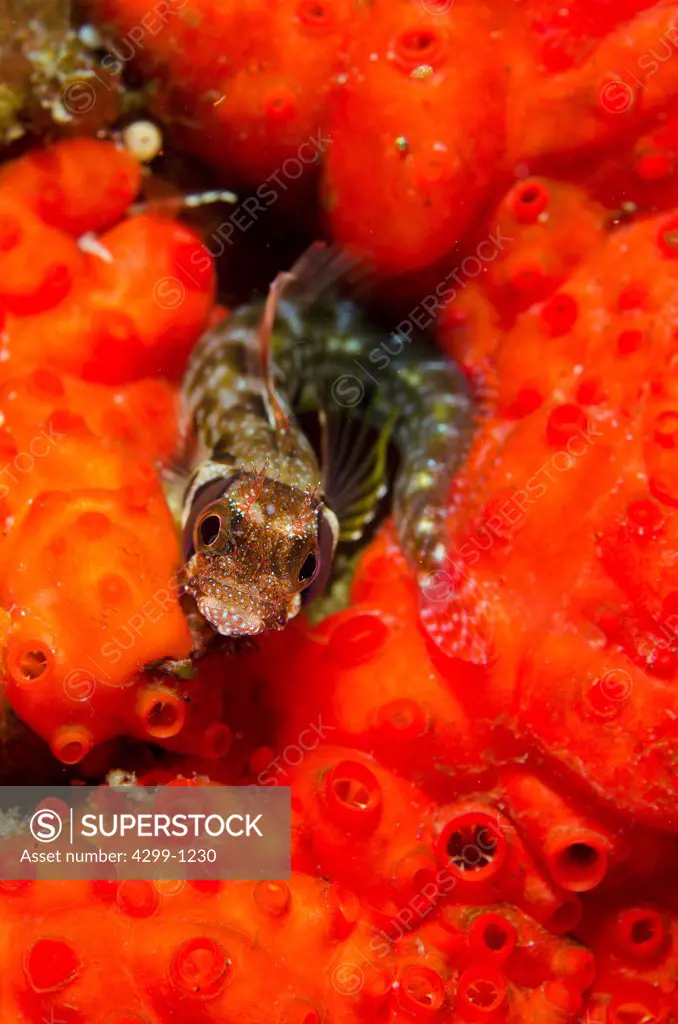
{"x":261,"y":515}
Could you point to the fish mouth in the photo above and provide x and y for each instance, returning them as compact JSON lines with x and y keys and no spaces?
{"x":230,"y":619}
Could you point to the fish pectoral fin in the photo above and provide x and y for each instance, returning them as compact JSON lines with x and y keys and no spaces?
{"x":173,"y":481}
{"x":176,"y":473}
{"x":354,"y":467}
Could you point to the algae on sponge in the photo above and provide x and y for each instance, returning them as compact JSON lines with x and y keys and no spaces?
{"x":50,"y":79}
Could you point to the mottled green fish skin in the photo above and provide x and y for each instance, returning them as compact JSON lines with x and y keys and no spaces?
{"x":225,"y":397}
{"x":327,"y":357}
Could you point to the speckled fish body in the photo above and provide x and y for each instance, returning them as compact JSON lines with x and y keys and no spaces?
{"x":268,"y":480}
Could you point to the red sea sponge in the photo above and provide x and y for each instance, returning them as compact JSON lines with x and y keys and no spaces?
{"x":99,"y":546}
{"x":369,"y":683}
{"x":149,"y":303}
{"x":254,"y":78}
{"x":645,"y":180}
{"x":610,"y":92}
{"x":576,"y":849}
{"x":86,"y":526}
{"x":38,"y":264}
{"x":267,"y":119}
{"x":78,"y":185}
{"x":554,"y":88}
{"x":584,"y":422}
{"x":411,"y":113}
{"x":198,"y":946}
{"x":89,"y":572}
{"x":59,"y":433}
{"x":539,"y":232}
{"x":636,"y":945}
{"x":44,"y":208}
{"x":364,"y":827}
{"x":111,"y":308}
{"x":180,"y":947}
{"x":425,"y":940}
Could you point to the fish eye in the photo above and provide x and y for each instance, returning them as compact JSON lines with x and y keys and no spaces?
{"x":309,"y":569}
{"x":209,"y":529}
{"x":207,"y":500}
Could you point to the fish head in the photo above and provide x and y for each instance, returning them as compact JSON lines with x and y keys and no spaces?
{"x":255,"y":553}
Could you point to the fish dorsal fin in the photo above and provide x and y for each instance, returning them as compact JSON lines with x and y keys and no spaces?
{"x":314,"y":278}
{"x":274,"y":407}
{"x":322,"y":268}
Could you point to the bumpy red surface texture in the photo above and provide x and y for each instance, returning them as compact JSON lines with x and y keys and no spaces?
{"x":577,"y":463}
{"x":413,"y":143}
{"x":302,"y":952}
{"x":246,"y":83}
{"x":89,"y":551}
{"x":473,"y":840}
